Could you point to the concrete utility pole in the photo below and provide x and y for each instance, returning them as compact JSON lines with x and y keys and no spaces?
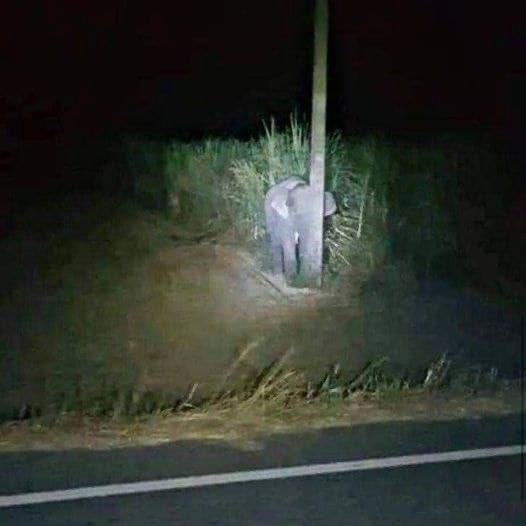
{"x":314,"y":250}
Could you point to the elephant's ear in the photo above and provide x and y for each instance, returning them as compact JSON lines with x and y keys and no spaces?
{"x":279,"y":204}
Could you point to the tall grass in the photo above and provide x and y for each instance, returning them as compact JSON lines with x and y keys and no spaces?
{"x":357,"y":174}
{"x":197,"y":172}
{"x":185,"y":178}
{"x":395,"y":198}
{"x":355,"y":233}
{"x":273,"y":157}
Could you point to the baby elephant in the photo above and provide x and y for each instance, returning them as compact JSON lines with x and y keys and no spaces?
{"x":288,"y":214}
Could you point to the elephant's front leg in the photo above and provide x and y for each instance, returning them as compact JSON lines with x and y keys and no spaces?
{"x":277,"y":256}
{"x":289,"y":258}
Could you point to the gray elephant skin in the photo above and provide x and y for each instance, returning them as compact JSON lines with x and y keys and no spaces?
{"x":288,"y":214}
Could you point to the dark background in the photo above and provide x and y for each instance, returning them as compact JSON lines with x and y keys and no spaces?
{"x":78,"y":69}
{"x":78,"y":74}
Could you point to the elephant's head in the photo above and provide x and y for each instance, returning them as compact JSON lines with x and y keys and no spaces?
{"x":288,"y":196}
{"x":279,"y":196}
{"x":329,"y":204}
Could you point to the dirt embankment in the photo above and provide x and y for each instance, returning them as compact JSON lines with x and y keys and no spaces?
{"x":118,"y":302}
{"x":98,"y":300}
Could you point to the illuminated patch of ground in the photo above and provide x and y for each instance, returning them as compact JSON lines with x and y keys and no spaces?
{"x":101,"y":303}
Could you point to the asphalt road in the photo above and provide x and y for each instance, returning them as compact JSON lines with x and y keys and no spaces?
{"x":479,"y":492}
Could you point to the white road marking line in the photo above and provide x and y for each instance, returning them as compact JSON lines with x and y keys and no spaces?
{"x":253,"y":476}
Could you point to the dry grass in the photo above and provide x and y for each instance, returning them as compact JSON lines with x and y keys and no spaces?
{"x":273,"y":385}
{"x":245,"y":426}
{"x":277,"y":400}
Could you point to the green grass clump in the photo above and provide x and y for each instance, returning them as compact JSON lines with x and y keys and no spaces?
{"x":145,"y":162}
{"x":198,"y":172}
{"x":357,"y":175}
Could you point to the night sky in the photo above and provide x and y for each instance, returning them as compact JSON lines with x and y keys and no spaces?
{"x":82,"y":70}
